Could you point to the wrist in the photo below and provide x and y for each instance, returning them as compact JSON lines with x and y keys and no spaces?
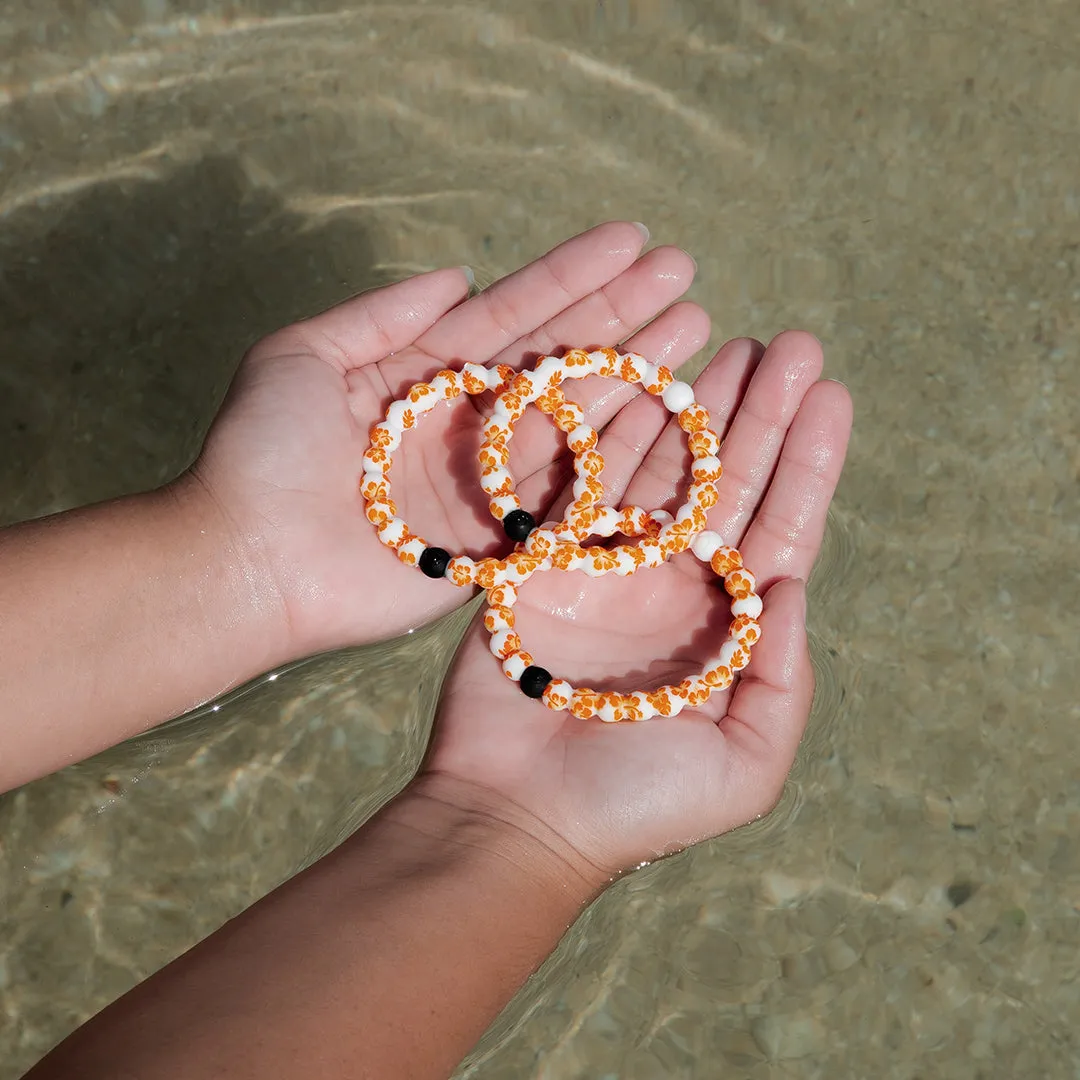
{"x":444,"y":813}
{"x":231,"y":592}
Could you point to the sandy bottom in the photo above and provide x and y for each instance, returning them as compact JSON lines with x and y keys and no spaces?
{"x":176,"y":179}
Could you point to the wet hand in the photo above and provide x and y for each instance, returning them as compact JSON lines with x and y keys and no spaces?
{"x":282,"y":462}
{"x":619,"y":794}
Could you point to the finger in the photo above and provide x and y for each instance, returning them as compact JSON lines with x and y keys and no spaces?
{"x":751,"y":450}
{"x":604,"y":318}
{"x":368,"y":327}
{"x":771,"y":704}
{"x":671,"y":340}
{"x":610,"y":314}
{"x":785,"y":536}
{"x":515,"y":306}
{"x":644,"y":449}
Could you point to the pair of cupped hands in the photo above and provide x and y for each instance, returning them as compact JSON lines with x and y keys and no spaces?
{"x":283,"y":459}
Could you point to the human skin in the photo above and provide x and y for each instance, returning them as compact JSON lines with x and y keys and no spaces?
{"x":141,"y":608}
{"x":389,"y":957}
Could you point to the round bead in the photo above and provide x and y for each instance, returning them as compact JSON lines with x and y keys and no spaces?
{"x":705,"y":545}
{"x":534,"y":681}
{"x":518,"y":524}
{"x":434,"y":562}
{"x":678,"y":396}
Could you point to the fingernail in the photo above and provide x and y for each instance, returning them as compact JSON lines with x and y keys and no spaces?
{"x":470,"y":277}
{"x":643,"y":230}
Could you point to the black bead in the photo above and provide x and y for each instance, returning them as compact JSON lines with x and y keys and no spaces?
{"x":434,"y":561}
{"x":534,"y":681}
{"x":518,"y":524}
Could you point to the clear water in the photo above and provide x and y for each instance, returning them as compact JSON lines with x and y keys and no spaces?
{"x":177,"y":179}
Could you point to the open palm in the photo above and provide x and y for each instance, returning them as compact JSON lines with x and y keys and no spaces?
{"x":283,"y":458}
{"x":623,"y":793}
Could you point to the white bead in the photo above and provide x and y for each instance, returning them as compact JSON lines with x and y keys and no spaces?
{"x":677,"y":704}
{"x":393,"y":532}
{"x":378,"y":506}
{"x":590,"y":569}
{"x":393,"y":433}
{"x":413,"y":547}
{"x":649,"y":375}
{"x":636,"y":366}
{"x":707,"y":467}
{"x":493,"y":378}
{"x":503,"y":504}
{"x":461,"y":562}
{"x":721,"y":684}
{"x":578,"y":562}
{"x":607,"y":524}
{"x":661,"y":517}
{"x":654,"y":553}
{"x":727,"y":650}
{"x":426,"y":404}
{"x":515,"y":574}
{"x":685,"y":513}
{"x":374,"y":485}
{"x":711,"y":439}
{"x":377,"y":467}
{"x":706,"y":544}
{"x":442,"y":385}
{"x":581,"y":486}
{"x":560,"y":688}
{"x":748,"y":577}
{"x":498,"y":641}
{"x":395,"y":414}
{"x":750,"y":605}
{"x":597,"y":362}
{"x":581,"y":438}
{"x":493,"y":479}
{"x":700,"y":491}
{"x":667,"y":534}
{"x":513,"y":666}
{"x":543,"y":535}
{"x":678,"y":396}
{"x":698,"y":685}
{"x":624,"y":565}
{"x":606,"y":712}
{"x":549,"y":366}
{"x":498,"y":617}
{"x":641,"y":699}
{"x":477,"y":371}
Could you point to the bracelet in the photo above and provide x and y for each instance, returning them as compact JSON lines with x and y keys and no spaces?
{"x":379,"y":507}
{"x":665,"y":536}
{"x":610,"y":706}
{"x":558,"y":545}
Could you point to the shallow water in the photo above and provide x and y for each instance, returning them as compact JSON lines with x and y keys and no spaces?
{"x":177,"y":179}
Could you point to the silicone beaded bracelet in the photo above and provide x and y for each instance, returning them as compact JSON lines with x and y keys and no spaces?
{"x":586,"y":515}
{"x":379,"y":507}
{"x":558,"y":694}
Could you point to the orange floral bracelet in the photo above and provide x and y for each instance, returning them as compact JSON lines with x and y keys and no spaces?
{"x":559,"y":545}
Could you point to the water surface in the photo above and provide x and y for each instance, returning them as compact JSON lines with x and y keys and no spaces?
{"x":178,"y":178}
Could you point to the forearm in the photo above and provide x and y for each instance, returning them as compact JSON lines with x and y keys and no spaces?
{"x":116,"y":617}
{"x":387,"y":959}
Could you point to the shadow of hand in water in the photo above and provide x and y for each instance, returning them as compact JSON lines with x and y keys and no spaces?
{"x":124,"y":310}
